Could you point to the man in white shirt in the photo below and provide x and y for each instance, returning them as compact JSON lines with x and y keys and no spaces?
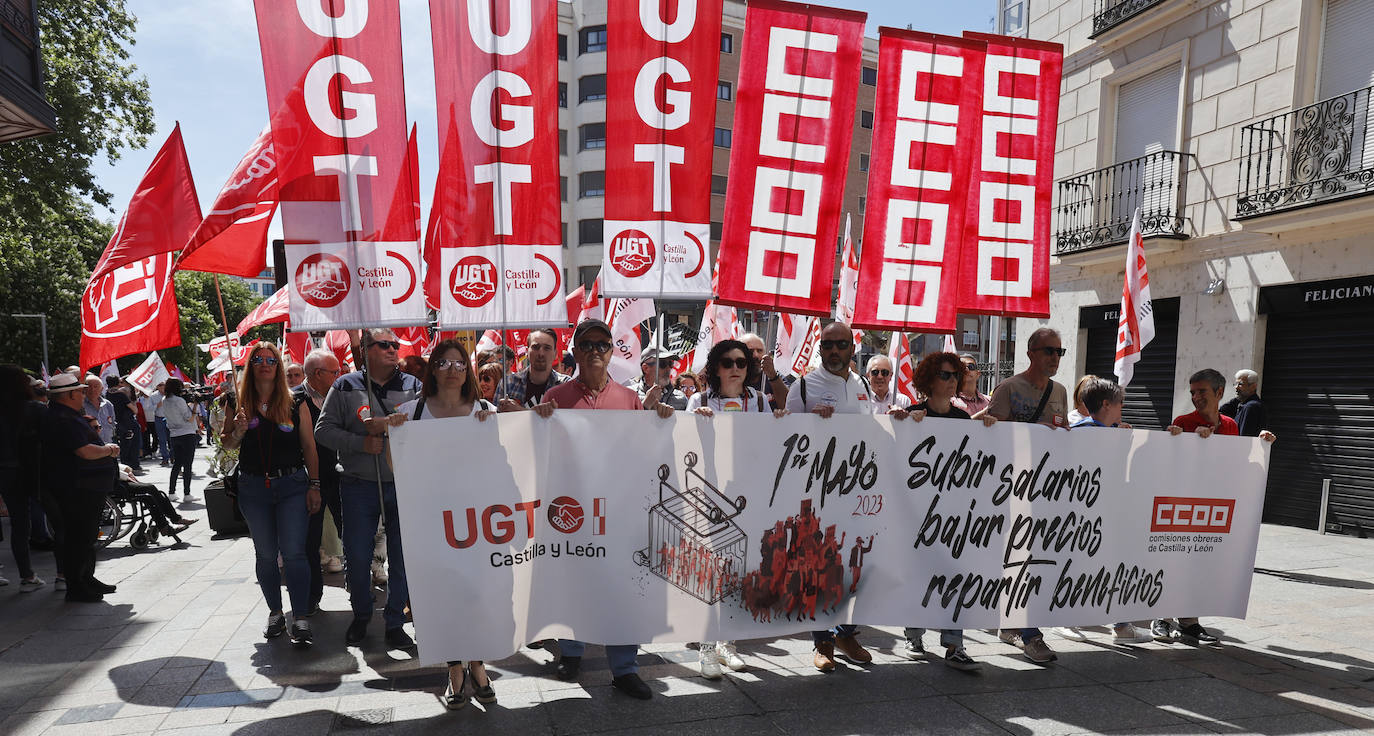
{"x":883,"y":383}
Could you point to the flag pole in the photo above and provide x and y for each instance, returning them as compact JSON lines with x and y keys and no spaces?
{"x":233,"y":368}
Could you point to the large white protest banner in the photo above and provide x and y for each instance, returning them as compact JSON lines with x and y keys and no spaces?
{"x":622,"y":528}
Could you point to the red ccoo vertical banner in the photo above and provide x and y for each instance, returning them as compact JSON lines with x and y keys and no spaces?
{"x":925,"y":139}
{"x":794,"y":118}
{"x":335,"y":91}
{"x":494,"y":244}
{"x":1006,"y":260}
{"x":663,"y":61}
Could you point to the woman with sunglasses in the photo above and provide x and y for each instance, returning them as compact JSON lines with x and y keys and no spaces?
{"x":969,"y":398}
{"x":938,"y":377}
{"x":451,"y":390}
{"x":731,"y":370}
{"x":279,"y":484}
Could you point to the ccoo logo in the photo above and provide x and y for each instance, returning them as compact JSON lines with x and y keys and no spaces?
{"x":322,"y":280}
{"x":632,"y":253}
{"x":473,"y":281}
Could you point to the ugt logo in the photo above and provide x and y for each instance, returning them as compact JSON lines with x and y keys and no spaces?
{"x":322,"y":280}
{"x":473,"y":281}
{"x":496,"y":525}
{"x":632,"y":253}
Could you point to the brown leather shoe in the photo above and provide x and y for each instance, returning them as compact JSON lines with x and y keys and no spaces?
{"x":825,"y":656}
{"x":852,"y":649}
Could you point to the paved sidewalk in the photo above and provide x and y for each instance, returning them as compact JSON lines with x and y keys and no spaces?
{"x":178,"y":650}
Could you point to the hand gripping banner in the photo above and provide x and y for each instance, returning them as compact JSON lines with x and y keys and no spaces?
{"x":1006,"y":259}
{"x":494,"y":242}
{"x":925,"y":139}
{"x":794,"y":118}
{"x":663,"y":62}
{"x":335,"y":93}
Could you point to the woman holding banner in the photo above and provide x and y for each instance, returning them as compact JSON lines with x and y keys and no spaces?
{"x":451,"y":390}
{"x":731,"y":369}
{"x":939,"y":376}
{"x":279,"y":484}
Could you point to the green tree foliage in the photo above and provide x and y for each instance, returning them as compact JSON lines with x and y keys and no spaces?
{"x":200,"y":317}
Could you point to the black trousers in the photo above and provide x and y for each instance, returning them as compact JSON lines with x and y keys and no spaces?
{"x":81,"y":509}
{"x":129,"y":442}
{"x":17,"y":500}
{"x":314,"y":536}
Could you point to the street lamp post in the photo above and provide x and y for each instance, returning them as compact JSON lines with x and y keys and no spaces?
{"x":43,"y":327}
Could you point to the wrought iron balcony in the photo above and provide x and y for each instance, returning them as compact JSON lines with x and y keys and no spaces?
{"x":1095,"y":209}
{"x":1315,"y":154}
{"x":1108,"y":14}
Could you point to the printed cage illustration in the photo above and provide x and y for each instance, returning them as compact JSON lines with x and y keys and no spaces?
{"x":694,"y":543}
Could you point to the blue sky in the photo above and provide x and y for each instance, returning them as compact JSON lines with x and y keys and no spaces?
{"x":203,"y":66}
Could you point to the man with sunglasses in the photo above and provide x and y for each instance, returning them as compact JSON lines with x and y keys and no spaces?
{"x":657,"y":365}
{"x":880,"y":380}
{"x":594,"y":389}
{"x":356,"y":431}
{"x":526,"y":388}
{"x":836,"y":390}
{"x":1030,"y":396}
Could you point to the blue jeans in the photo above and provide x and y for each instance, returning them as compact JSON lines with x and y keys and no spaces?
{"x":361,"y":508}
{"x":277,"y":519}
{"x":948,"y":637}
{"x":164,"y":440}
{"x":830,"y":634}
{"x":621,"y":657}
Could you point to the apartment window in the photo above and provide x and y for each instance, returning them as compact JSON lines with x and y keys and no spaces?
{"x":563,"y":95}
{"x":562,"y":143}
{"x":863,"y":162}
{"x":717,"y":184}
{"x":866,"y":119}
{"x":723,"y":137}
{"x":591,"y":39}
{"x":725,"y":91}
{"x":563,"y":187}
{"x":1011,"y":20}
{"x":863,"y":203}
{"x":563,"y":230}
{"x":591,"y":87}
{"x":588,"y":275}
{"x":562,"y":47}
{"x":589,"y":232}
{"x":591,"y":184}
{"x":727,"y":43}
{"x":590,"y":136}
{"x":716,"y":229}
{"x":870,"y":76}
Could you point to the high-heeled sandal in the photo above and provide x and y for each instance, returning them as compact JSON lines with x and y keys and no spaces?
{"x":484,"y":694}
{"x":455,"y":700}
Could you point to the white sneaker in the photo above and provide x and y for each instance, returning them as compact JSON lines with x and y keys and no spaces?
{"x":710,"y":663}
{"x":28,"y":585}
{"x":378,"y":573}
{"x":59,"y":585}
{"x":1072,"y":632}
{"x":1129,"y":634}
{"x":726,"y":655}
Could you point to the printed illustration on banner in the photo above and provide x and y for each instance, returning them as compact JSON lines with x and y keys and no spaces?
{"x":694,"y":543}
{"x":322,"y":280}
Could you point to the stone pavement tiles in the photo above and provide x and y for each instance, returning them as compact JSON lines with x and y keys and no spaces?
{"x":178,"y":650}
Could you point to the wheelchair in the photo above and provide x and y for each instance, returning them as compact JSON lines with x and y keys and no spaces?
{"x":127,"y":513}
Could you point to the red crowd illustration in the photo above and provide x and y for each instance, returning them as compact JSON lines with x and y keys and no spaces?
{"x":802,"y":569}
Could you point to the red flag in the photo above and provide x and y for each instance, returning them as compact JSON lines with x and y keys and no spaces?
{"x":794,"y":116}
{"x":232,"y":238}
{"x":240,"y":358}
{"x":176,"y":373}
{"x":335,"y":87}
{"x":298,"y":346}
{"x":899,"y":352}
{"x":1136,"y":324}
{"x":925,"y":142}
{"x":494,"y":241}
{"x":272,"y":309}
{"x":130,"y":305}
{"x":658,"y":200}
{"x":414,"y":341}
{"x":1006,"y":255}
{"x":339,"y":342}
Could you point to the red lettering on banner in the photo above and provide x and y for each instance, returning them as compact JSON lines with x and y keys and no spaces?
{"x":662,"y":65}
{"x":1172,"y":514}
{"x":924,"y":135}
{"x":793,"y":122}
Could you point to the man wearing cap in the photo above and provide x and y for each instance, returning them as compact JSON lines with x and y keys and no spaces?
{"x":594,"y":389}
{"x":79,"y":471}
{"x":657,"y":364}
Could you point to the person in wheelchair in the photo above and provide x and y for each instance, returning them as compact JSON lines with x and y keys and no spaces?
{"x":150,"y":506}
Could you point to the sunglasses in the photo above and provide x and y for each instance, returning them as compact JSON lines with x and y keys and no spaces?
{"x":261,"y":360}
{"x":972,"y":367}
{"x":451,"y":365}
{"x":601,"y":346}
{"x":880,"y":372}
{"x":1047,"y":350}
{"x":836,"y":344}
{"x":386,"y":345}
{"x":946,"y":375}
{"x":728,"y":363}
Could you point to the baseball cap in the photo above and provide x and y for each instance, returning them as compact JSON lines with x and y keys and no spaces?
{"x":587,"y":325}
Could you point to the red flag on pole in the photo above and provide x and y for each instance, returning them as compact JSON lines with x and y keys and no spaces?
{"x":903,"y":375}
{"x":232,"y":239}
{"x":1136,"y":324}
{"x":273,"y":309}
{"x":130,"y":305}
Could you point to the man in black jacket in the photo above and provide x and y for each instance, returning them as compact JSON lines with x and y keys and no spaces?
{"x":1246,"y":407}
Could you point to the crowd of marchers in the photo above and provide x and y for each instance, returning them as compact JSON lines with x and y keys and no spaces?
{"x":311,"y":446}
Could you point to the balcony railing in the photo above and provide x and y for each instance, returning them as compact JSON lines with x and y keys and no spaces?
{"x":1314,"y":154}
{"x":1095,"y":209}
{"x":1108,"y":14}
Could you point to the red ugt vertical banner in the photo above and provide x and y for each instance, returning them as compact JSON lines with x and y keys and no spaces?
{"x":1006,"y":262}
{"x":662,"y":67}
{"x":794,"y":119}
{"x":494,"y":237}
{"x":335,"y":91}
{"x":925,"y":140}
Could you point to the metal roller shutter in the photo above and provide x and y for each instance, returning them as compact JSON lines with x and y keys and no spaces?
{"x":1150,"y":397}
{"x":1316,"y":389}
